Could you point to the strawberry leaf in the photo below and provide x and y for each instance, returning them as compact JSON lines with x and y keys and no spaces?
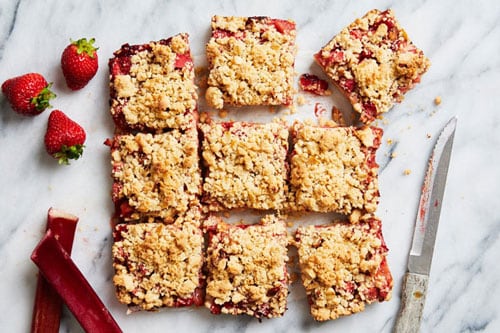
{"x":85,"y":46}
{"x":41,"y":101}
{"x":69,"y":153}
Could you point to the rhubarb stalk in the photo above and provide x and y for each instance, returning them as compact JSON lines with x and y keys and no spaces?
{"x":48,"y":305}
{"x":64,"y":276}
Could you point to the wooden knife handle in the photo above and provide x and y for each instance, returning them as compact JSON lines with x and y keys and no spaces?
{"x":412,"y":303}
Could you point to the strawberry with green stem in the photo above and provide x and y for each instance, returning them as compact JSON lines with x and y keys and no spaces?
{"x":79,"y":63}
{"x":28,"y":94}
{"x":64,"y":138}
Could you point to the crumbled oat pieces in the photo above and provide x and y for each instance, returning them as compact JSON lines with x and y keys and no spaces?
{"x":373,"y":63}
{"x":158,"y":265}
{"x":246,"y":267}
{"x":343,"y":266}
{"x":251,"y":61}
{"x":152,"y":86}
{"x":334,"y":169}
{"x":156,"y":176}
{"x":244,"y":165}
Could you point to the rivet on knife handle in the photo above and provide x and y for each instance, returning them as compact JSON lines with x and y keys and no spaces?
{"x":412,"y":303}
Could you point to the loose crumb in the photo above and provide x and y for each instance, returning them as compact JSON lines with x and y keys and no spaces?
{"x":407,"y":172}
{"x":222,"y":113}
{"x":437,"y":100}
{"x":301,"y":100}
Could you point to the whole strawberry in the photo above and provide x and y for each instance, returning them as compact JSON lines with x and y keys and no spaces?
{"x":64,"y":139}
{"x":79,"y":63}
{"x":28,"y":94}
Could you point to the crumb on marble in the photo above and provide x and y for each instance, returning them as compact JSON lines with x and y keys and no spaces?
{"x":437,"y":100}
{"x":301,"y":100}
{"x":222,"y":113}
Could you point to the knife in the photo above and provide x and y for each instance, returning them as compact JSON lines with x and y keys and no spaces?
{"x":419,"y":261}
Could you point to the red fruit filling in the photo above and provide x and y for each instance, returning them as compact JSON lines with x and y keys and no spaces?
{"x":313,"y":84}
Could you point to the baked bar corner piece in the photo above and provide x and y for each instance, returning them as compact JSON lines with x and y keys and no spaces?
{"x":251,"y":61}
{"x":333,"y":169}
{"x":343,"y":267}
{"x":158,"y":265}
{"x":152,"y":86}
{"x":373,"y":63}
{"x":244,"y":165}
{"x":246,"y":267}
{"x":156,"y":177}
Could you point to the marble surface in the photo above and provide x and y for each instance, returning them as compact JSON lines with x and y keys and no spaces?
{"x":462,"y":39}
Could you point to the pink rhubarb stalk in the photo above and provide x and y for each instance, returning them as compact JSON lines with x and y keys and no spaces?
{"x":65,"y":277}
{"x":48,"y":304}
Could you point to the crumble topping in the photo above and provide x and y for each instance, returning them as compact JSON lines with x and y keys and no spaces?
{"x":334,"y":169}
{"x":373,"y":62}
{"x":245,"y":165}
{"x":156,"y":176}
{"x":247,"y":267}
{"x":158,"y":90}
{"x":158,"y":265}
{"x":251,"y":61}
{"x":343,"y":266}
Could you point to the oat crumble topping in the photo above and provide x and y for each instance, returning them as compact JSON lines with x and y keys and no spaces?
{"x":343,"y":266}
{"x":158,"y":265}
{"x":334,"y":169}
{"x":157,"y":91}
{"x":246,"y":267}
{"x":156,"y":176}
{"x":251,"y":61}
{"x":373,"y":62}
{"x":245,"y":165}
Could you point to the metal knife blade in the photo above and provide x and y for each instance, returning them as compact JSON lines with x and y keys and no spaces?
{"x":424,"y":236}
{"x":431,"y":198}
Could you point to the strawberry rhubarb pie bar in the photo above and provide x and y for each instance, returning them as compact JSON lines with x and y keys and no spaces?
{"x":246,"y":267}
{"x":244,"y":165}
{"x":159,"y":265}
{"x":373,"y":63}
{"x":333,"y":169}
{"x":155,"y":176}
{"x":251,"y":61}
{"x":152,"y":86}
{"x":343,"y":266}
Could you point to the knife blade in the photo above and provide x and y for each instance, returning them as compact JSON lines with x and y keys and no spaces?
{"x":426,"y":224}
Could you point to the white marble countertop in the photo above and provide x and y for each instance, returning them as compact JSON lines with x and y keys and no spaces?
{"x":462,"y":39}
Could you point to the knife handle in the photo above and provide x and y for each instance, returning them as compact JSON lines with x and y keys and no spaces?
{"x":412,"y":303}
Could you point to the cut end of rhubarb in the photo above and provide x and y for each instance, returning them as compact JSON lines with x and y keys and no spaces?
{"x":55,"y":213}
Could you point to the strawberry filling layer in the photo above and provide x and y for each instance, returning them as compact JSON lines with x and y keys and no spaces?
{"x":313,"y":84}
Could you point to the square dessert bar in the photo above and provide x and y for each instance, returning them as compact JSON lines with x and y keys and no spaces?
{"x":343,"y":266}
{"x":155,"y":176}
{"x":246,"y":267}
{"x":159,"y":265}
{"x":373,"y":63}
{"x":244,"y":165}
{"x":251,"y":61}
{"x":152,"y":86}
{"x":333,"y":169}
